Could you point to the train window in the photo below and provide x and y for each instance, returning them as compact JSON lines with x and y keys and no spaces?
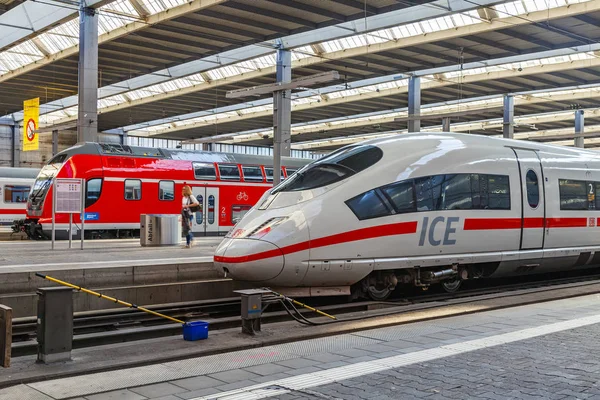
{"x":498,"y":192}
{"x":211,"y":209}
{"x":16,"y":193}
{"x":423,"y":194}
{"x":59,"y":159}
{"x":456,"y":194}
{"x":229,"y":172}
{"x":533,"y":190}
{"x":133,"y":189}
{"x":368,"y":205}
{"x":290,"y":171}
{"x":252,"y":174}
{"x":204,"y":171}
{"x":269,"y":173}
{"x":573,"y":194}
{"x":93,"y":189}
{"x":355,"y":158}
{"x":238,"y":211}
{"x":317,"y":176}
{"x":401,"y":196}
{"x":199,"y":213}
{"x":166,"y":190}
{"x":332,"y":168}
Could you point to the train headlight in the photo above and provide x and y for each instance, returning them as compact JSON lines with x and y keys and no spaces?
{"x":260,"y":230}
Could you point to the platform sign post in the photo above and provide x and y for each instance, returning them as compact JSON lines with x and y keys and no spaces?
{"x":68,"y":199}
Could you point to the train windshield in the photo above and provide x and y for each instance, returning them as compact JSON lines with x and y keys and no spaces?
{"x":43,"y":182}
{"x":333,"y":168}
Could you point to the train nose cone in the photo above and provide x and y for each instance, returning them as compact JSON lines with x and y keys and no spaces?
{"x":249,"y":259}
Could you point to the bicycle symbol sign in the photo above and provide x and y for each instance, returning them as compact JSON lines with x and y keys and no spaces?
{"x":242,"y":196}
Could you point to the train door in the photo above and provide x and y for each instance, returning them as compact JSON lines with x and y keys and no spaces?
{"x":206,"y":221}
{"x":532,"y":195}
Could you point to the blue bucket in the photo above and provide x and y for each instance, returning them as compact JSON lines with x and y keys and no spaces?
{"x":196,"y":330}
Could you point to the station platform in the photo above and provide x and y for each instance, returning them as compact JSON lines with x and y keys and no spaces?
{"x":26,"y":256}
{"x":121,"y":268}
{"x":543,"y":350}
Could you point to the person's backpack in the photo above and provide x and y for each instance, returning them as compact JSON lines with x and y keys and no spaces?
{"x":193,"y":208}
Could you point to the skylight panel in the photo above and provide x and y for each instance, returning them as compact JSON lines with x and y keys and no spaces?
{"x":414,"y":29}
{"x":121,"y":6}
{"x":463,"y":19}
{"x":381,"y":36}
{"x":430,"y":25}
{"x":266,"y":61}
{"x":20,"y":55}
{"x":108,"y":22}
{"x":154,"y":6}
{"x":111,"y":101}
{"x":301,"y":52}
{"x":61,"y":37}
{"x":174,"y":3}
{"x":142,"y":93}
{"x":71,"y":111}
{"x":306,"y":100}
{"x":256,"y":109}
{"x":247,"y":66}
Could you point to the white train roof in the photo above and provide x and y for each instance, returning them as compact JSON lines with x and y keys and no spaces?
{"x":425,"y":139}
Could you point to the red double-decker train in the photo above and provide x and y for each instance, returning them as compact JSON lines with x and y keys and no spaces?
{"x":123,"y":182}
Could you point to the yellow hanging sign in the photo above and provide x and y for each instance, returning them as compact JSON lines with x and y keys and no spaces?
{"x":31,"y":117}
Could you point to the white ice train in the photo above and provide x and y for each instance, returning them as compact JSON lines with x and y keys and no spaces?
{"x":419,"y":209}
{"x":15,"y":184}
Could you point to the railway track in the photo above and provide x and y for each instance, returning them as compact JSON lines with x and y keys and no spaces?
{"x":116,"y":326}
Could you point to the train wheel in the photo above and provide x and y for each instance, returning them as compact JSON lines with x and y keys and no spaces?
{"x":452,"y":285}
{"x":379,"y":294}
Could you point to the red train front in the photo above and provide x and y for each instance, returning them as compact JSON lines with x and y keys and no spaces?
{"x":123,"y":182}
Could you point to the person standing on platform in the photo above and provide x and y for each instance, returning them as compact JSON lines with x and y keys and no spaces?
{"x":188,"y":205}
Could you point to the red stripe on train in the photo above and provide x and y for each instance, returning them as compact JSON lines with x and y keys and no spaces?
{"x":401,"y":228}
{"x":8,"y":211}
{"x":471,"y":224}
{"x":474,"y":224}
{"x":567,"y":222}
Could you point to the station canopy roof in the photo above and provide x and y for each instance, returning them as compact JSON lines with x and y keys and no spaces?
{"x":165,"y":67}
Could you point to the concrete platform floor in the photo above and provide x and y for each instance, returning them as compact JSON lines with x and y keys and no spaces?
{"x":36,"y":256}
{"x":539,"y":350}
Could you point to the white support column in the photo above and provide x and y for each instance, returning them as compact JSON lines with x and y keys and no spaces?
{"x":579,"y":128}
{"x":87,"y":121}
{"x":508,"y":124}
{"x":414,"y":103}
{"x":282,"y":113}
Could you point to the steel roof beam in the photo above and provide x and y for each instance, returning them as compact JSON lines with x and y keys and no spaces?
{"x":493,"y":44}
{"x":359,"y":5}
{"x":526,"y":38}
{"x":568,"y":77}
{"x":305,"y":7}
{"x":269,"y":13}
{"x":373,"y":23}
{"x":191,"y":20}
{"x":467,"y":50}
